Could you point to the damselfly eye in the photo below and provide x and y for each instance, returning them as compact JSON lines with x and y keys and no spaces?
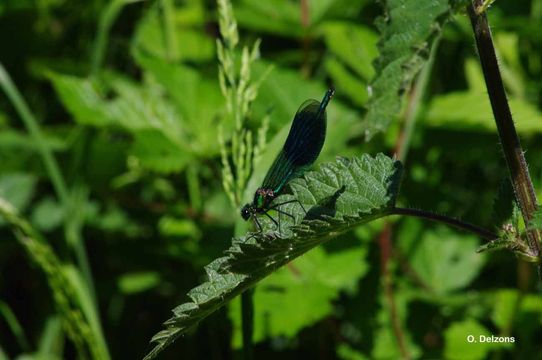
{"x":245,"y":212}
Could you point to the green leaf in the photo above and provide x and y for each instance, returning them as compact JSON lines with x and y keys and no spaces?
{"x":337,"y":197}
{"x":445,"y":260}
{"x":273,"y":16}
{"x":138,"y":282}
{"x":458,"y":345}
{"x":158,"y":153}
{"x":475,"y":76}
{"x":510,"y":64}
{"x":198,"y":100}
{"x":191,"y":40}
{"x":315,"y":280}
{"x":504,"y":310}
{"x":536,"y":222}
{"x":17,"y":189}
{"x":283,"y":17}
{"x":405,"y":42}
{"x":355,"y":89}
{"x":114,"y":219}
{"x":140,"y":110}
{"x":354,"y":45}
{"x":471,"y":111}
{"x":345,"y":352}
{"x":47,"y":215}
{"x":83,"y":98}
{"x":171,"y":226}
{"x":532,"y":304}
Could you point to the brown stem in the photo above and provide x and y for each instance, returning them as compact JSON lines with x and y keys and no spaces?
{"x":410,"y":272}
{"x":305,"y":14}
{"x":513,"y":153}
{"x":306,"y":41}
{"x":385,"y":255}
{"x":483,"y":233}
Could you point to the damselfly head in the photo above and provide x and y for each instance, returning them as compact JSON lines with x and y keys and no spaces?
{"x":246,"y":211}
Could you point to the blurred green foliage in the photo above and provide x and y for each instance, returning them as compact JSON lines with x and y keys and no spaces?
{"x":127,"y":99}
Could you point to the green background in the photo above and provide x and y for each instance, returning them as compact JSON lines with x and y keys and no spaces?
{"x":131,"y":115}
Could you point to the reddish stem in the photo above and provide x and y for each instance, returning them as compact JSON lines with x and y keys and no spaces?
{"x":385,"y":243}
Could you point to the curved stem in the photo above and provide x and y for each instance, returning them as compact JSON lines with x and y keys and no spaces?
{"x":105,"y":23}
{"x":483,"y":233}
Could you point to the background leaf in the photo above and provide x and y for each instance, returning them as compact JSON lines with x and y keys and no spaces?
{"x":313,"y":280}
{"x":406,"y":40}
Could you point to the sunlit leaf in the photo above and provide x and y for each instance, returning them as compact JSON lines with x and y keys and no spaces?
{"x":17,"y":188}
{"x":337,"y":197}
{"x":468,"y":110}
{"x":443,"y":259}
{"x":405,"y":42}
{"x":458,"y":346}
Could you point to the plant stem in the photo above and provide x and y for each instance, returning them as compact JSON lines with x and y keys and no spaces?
{"x":32,"y":125}
{"x":513,"y":153}
{"x":483,"y":233}
{"x":107,"y":18}
{"x":247,"y":323}
{"x":410,"y":115}
{"x":73,"y":234}
{"x":247,"y":308}
{"x":306,"y":41}
{"x":386,"y":249}
{"x":413,"y":106}
{"x":194,"y":192}
{"x":72,"y":231}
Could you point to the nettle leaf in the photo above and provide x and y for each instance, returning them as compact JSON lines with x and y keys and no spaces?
{"x":352,"y":51}
{"x":355,"y":45}
{"x":337,"y":197}
{"x":197,"y":99}
{"x":159,"y":135}
{"x":446,"y":260}
{"x":406,"y":40}
{"x":254,"y":14}
{"x":190,"y":43}
{"x":82,"y":98}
